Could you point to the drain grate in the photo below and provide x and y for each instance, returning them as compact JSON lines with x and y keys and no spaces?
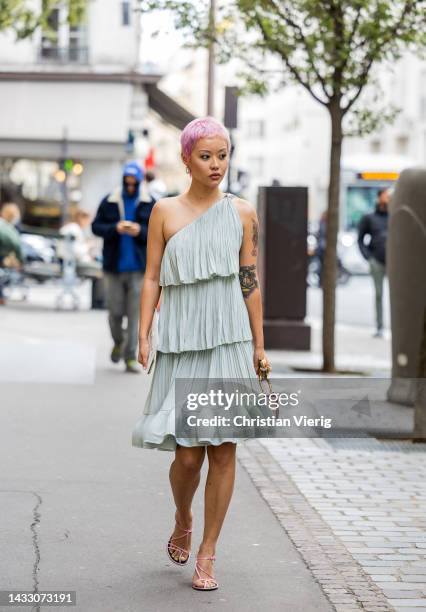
{"x":372,"y":444}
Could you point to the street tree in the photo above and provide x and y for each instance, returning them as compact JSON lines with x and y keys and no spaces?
{"x":24,"y":17}
{"x":329,"y":48}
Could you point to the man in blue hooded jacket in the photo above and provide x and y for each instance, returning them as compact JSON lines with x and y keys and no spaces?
{"x":122,"y":221}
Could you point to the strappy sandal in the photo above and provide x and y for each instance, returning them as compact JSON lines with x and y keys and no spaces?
{"x":171,"y":547}
{"x":205,"y":581}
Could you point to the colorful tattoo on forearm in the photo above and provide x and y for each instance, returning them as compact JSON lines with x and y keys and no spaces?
{"x":248,"y":279}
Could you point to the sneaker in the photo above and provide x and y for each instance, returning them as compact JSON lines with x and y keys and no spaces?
{"x":378,"y":334}
{"x":132,"y":366}
{"x":116,"y":353}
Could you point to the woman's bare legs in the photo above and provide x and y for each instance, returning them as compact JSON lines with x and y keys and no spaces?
{"x":218,"y":493}
{"x":184,"y":477}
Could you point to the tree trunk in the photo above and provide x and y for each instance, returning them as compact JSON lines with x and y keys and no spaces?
{"x":332,"y":226}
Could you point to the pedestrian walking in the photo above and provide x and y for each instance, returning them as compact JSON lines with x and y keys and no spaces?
{"x":11,"y":253}
{"x":321,"y":244}
{"x":80,"y":244}
{"x":375,"y":226}
{"x":122,"y":221}
{"x":156,"y":187}
{"x":202,"y":254}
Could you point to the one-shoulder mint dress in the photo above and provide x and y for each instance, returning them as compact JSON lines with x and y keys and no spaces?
{"x":203,"y":326}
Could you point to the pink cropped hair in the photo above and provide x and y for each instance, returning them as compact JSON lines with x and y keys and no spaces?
{"x":203,"y":127}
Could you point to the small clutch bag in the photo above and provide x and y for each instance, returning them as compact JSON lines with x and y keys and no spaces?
{"x":263,"y":374}
{"x":153,"y":342}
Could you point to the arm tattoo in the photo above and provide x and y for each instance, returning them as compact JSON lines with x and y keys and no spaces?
{"x":254,"y":236}
{"x":248,"y":280}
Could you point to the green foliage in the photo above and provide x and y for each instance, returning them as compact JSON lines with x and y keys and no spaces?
{"x":20,"y":17}
{"x":329,"y":47}
{"x":76,"y":11}
{"x":371,"y":112}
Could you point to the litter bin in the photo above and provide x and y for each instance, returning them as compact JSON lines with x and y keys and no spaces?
{"x":406,"y":265}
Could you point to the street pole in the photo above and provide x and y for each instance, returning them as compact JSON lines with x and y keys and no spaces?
{"x":231,"y":122}
{"x":64,"y":216}
{"x":230,"y":168}
{"x":211,"y":60}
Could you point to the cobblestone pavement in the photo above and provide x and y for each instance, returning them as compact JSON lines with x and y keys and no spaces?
{"x":356,"y":511}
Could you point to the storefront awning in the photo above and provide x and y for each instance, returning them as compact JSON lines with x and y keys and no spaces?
{"x":167,"y":108}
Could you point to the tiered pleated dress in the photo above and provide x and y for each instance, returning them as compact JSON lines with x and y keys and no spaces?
{"x":203,"y":326}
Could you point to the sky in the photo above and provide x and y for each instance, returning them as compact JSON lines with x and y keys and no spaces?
{"x":159,"y":49}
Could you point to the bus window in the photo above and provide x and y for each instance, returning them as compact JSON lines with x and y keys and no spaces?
{"x":359,"y":201}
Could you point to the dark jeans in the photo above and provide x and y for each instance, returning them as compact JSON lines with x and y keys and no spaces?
{"x":123,"y":294}
{"x":378,"y":272}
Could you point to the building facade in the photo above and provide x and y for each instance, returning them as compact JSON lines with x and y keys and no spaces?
{"x":75,"y":105}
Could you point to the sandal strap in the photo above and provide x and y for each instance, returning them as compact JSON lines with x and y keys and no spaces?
{"x":178,"y":548}
{"x":198,"y":566}
{"x":182,"y":529}
{"x":181,"y":551}
{"x":206,"y":580}
{"x":183,"y":535}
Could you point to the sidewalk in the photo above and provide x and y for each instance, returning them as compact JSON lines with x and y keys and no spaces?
{"x":355,"y":509}
{"x":356,"y":350}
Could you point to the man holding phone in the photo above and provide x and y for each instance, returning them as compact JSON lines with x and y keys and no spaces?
{"x":122,"y":221}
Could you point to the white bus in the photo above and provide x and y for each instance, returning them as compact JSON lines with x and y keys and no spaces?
{"x":362,"y":176}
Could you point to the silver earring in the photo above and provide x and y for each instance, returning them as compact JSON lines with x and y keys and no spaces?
{"x":188,"y":170}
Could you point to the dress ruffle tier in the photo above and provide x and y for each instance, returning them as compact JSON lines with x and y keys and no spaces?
{"x":203,"y":328}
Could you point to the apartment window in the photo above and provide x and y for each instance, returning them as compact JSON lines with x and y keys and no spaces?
{"x":50,"y":38}
{"x":255,"y":128}
{"x":77,"y":44}
{"x":423,"y":95}
{"x":62,"y":42}
{"x":125,"y":13}
{"x":402,"y":145}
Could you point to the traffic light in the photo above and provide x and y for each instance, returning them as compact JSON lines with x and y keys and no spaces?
{"x":68,"y":165}
{"x":71,"y":166}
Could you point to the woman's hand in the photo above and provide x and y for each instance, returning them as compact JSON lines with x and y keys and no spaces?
{"x":144,"y":349}
{"x":260,"y":354}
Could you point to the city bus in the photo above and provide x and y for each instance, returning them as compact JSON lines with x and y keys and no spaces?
{"x":362,"y":175}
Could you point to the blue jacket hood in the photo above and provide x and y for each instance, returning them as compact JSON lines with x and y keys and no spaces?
{"x":133,"y":169}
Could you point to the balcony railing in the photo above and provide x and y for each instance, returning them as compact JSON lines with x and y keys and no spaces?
{"x":63,"y":55}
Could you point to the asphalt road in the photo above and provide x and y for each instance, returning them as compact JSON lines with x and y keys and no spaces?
{"x":355,"y":303}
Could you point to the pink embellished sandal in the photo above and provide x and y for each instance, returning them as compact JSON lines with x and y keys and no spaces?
{"x":171,"y":547}
{"x":205,"y":581}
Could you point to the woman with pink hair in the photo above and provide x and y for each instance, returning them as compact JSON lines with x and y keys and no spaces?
{"x":201,"y":252}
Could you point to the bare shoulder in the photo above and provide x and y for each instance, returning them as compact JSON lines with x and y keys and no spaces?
{"x":246,"y":210}
{"x":163,"y":205}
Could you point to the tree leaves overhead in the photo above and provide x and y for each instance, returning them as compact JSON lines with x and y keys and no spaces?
{"x":20,"y":17}
{"x":327,"y":46}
